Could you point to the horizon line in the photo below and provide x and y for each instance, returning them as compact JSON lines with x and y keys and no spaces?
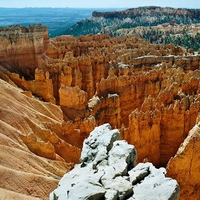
{"x":98,"y":7}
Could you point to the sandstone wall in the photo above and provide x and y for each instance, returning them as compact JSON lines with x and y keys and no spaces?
{"x":184,"y":166}
{"x":33,"y":154}
{"x":23,"y":48}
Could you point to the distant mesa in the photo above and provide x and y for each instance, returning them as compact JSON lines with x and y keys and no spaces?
{"x":111,"y":22}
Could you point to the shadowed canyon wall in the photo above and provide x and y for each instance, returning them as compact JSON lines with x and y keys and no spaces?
{"x":150,"y":92}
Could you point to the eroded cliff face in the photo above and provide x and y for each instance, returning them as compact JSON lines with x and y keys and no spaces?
{"x":33,"y":154}
{"x":184,"y":166}
{"x":149,"y":92}
{"x":23,"y":48}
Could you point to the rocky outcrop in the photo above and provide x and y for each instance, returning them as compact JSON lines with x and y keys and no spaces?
{"x":185,"y":165}
{"x":108,"y":171}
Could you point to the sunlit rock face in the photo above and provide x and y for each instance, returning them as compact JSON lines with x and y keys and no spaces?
{"x":23,"y":48}
{"x":148,"y":91}
{"x":184,"y":166}
{"x":33,"y":154}
{"x":108,"y":171}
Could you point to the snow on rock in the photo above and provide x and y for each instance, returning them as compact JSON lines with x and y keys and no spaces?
{"x":107,"y":171}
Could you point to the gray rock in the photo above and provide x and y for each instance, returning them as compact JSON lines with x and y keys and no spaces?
{"x":111,"y":195}
{"x":138,"y":173}
{"x":122,"y":156}
{"x":121,"y":185}
{"x":98,"y":144}
{"x":154,"y":184}
{"x":107,"y":171}
{"x":86,"y":190}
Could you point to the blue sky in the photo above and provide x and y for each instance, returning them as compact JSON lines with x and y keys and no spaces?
{"x":99,"y":3}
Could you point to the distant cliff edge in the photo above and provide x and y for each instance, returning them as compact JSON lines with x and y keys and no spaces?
{"x":150,"y":11}
{"x":160,"y":25}
{"x":141,"y":16}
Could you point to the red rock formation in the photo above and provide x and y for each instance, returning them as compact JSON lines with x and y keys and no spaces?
{"x":144,"y":133}
{"x":73,"y":101}
{"x":73,"y":97}
{"x":168,"y":117}
{"x":77,"y":69}
{"x":40,"y":124}
{"x":149,"y":91}
{"x":23,"y":48}
{"x":185,"y":166}
{"x":32,"y":153}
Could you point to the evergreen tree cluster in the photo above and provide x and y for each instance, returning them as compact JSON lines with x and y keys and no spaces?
{"x":183,"y":39}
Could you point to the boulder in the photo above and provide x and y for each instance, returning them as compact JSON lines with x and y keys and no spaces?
{"x":107,"y":171}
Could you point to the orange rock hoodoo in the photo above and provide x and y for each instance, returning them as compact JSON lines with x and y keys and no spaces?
{"x":150,"y":92}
